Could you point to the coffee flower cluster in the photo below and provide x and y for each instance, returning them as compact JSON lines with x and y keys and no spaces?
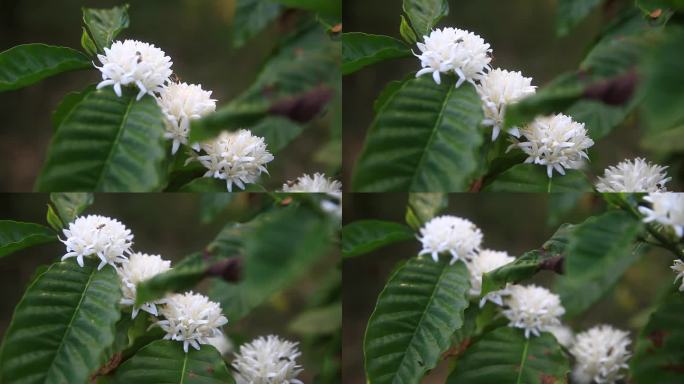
{"x":267,"y":360}
{"x":449,"y":234}
{"x":318,"y":183}
{"x":600,"y":355}
{"x":666,"y":209}
{"x":633,"y":176}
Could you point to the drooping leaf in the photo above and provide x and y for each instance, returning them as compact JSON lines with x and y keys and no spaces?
{"x":164,"y":361}
{"x":506,"y":356}
{"x":104,"y":25}
{"x":251,"y":17}
{"x":569,"y":13}
{"x":70,"y":205}
{"x":533,"y":178}
{"x":599,"y":251}
{"x":15,"y":236}
{"x":62,"y":326}
{"x":419,"y":309}
{"x":107,"y":143}
{"x":364,"y":236}
{"x":425,"y":138}
{"x":658,"y":353}
{"x":423,"y":206}
{"x":27,"y":64}
{"x":361,"y":50}
{"x":425,"y":14}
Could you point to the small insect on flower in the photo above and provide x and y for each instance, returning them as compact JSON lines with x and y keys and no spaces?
{"x":102,"y":236}
{"x":132,"y":62}
{"x":138,"y":268}
{"x":498,"y":89}
{"x":485,"y":261}
{"x":601,"y":355}
{"x":532,"y":308}
{"x":460,"y":237}
{"x":453,"y":50}
{"x":633,"y":176}
{"x":191,"y":318}
{"x":667,"y":208}
{"x":267,"y":360}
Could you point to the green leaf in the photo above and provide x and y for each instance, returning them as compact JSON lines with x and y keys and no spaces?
{"x":407,"y":33}
{"x":62,"y":326}
{"x":533,"y":178}
{"x":364,"y":236}
{"x":28,"y":64}
{"x":419,"y":309}
{"x":53,"y":219}
{"x":599,"y":251}
{"x":571,"y":12}
{"x":425,"y":138}
{"x":506,"y":356}
{"x":652,"y":5}
{"x":425,"y":14}
{"x":105,"y":24}
{"x":251,"y":17}
{"x":164,"y":361}
{"x":67,"y":105}
{"x":107,"y":143}
{"x":422,"y":207}
{"x":318,"y":321}
{"x":658,"y":354}
{"x":361,"y":50}
{"x":181,"y":277}
{"x":278,"y":132}
{"x":213,"y":204}
{"x":70,"y":205}
{"x":325,"y":7}
{"x":205,"y":185}
{"x":88,"y":44}
{"x":15,"y":236}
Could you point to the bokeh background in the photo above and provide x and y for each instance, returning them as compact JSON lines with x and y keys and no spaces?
{"x":196,"y":34}
{"x":171,"y":225}
{"x":515,"y":223}
{"x":522,"y":35}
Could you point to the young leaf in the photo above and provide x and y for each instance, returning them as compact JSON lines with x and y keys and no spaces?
{"x":426,"y":138}
{"x":107,"y":143}
{"x":422,"y":207}
{"x":105,"y":24}
{"x":361,"y":50}
{"x":425,"y":14}
{"x":251,"y":17}
{"x":569,"y":13}
{"x":15,"y":236}
{"x":62,"y":326}
{"x":407,"y":33}
{"x":506,"y":356}
{"x":88,"y":44}
{"x":27,"y":64}
{"x":164,"y":361}
{"x":364,"y":236}
{"x":419,"y":309}
{"x":71,"y":205}
{"x":533,"y":178}
{"x":658,"y":354}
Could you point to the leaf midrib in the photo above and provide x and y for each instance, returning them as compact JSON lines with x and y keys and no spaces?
{"x":523,"y":359}
{"x":185,"y":363}
{"x":124,"y":120}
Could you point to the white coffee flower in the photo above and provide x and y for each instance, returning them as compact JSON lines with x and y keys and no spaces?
{"x":222,"y":344}
{"x":678,"y":267}
{"x":563,"y":334}
{"x":237,"y":157}
{"x":600,"y":354}
{"x":132,"y":62}
{"x":102,"y":236}
{"x":532,"y":308}
{"x":191,"y":318}
{"x":633,"y":176}
{"x":460,"y":237}
{"x":317,"y":183}
{"x":555,"y":141}
{"x":454,"y":50}
{"x":667,"y":208}
{"x":267,"y":360}
{"x":181,"y":103}
{"x":498,"y":89}
{"x":138,"y":268}
{"x":485,"y":261}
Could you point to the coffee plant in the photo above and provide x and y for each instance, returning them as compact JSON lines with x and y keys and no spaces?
{"x":145,"y":127}
{"x":461,"y":124}
{"x":104,"y":312}
{"x":475,"y":309}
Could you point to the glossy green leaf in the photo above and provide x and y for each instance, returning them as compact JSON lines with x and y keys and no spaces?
{"x":164,"y":361}
{"x":407,"y":33}
{"x":105,"y":24}
{"x":107,"y":143}
{"x":364,"y":236}
{"x":27,"y":64}
{"x":599,"y":251}
{"x":361,"y":50}
{"x":658,"y":354}
{"x":425,"y":138}
{"x":251,"y":17}
{"x":425,"y":14}
{"x":419,"y":309}
{"x":62,"y":326}
{"x":69,"y":205}
{"x":423,"y":206}
{"x":15,"y":236}
{"x":67,"y":105}
{"x":88,"y":44}
{"x":533,"y":178}
{"x":506,"y":356}
{"x":570,"y":13}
